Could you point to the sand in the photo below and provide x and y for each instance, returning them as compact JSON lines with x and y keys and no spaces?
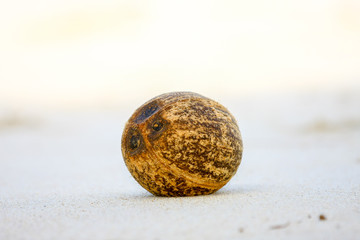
{"x":62,"y":176}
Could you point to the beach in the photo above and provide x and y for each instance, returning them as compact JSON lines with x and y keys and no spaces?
{"x":62,"y":176}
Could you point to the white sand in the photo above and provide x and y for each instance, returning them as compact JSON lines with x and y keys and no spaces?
{"x":62,"y":177}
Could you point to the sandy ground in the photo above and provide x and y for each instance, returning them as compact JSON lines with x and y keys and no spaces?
{"x":62,"y":176}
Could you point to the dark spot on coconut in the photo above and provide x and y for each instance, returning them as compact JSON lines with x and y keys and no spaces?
{"x":157,"y":126}
{"x":146,"y":112}
{"x":134,"y":142}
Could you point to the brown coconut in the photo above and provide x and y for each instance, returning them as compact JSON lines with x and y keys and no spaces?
{"x":182,"y":144}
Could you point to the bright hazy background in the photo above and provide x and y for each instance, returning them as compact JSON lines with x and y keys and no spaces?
{"x":106,"y":53}
{"x":73,"y":71}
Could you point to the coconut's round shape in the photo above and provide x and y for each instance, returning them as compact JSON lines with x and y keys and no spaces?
{"x":182,"y":144}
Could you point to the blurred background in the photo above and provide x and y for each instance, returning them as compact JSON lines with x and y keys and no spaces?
{"x":73,"y":71}
{"x":108,"y":53}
